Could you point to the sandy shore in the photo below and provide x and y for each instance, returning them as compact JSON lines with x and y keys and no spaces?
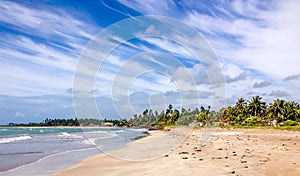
{"x":181,"y":152}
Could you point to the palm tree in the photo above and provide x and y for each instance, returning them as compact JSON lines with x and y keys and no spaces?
{"x":229,"y":114}
{"x":289,"y":111}
{"x":169,"y":110}
{"x":256,"y":106}
{"x":277,"y":107}
{"x":241,"y":106}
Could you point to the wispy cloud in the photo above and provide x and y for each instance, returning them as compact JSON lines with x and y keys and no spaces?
{"x":41,"y":47}
{"x":45,"y":21}
{"x":261,"y":84}
{"x":260,"y":36}
{"x":279,"y":93}
{"x":292,"y":77}
{"x":258,"y":39}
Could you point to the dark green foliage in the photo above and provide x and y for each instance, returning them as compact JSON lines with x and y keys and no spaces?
{"x":245,"y":113}
{"x":257,"y":112}
{"x":51,"y":122}
{"x":148,"y":118}
{"x":290,"y":123}
{"x":61,"y":122}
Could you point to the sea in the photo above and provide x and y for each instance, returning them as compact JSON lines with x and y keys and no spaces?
{"x":45,"y":150}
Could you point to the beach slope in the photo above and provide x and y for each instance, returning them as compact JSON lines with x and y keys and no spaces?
{"x":179,"y":152}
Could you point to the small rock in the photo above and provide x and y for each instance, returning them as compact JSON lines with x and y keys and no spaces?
{"x":198,"y":150}
{"x":200,"y":159}
{"x":234,"y":154}
{"x":187,"y":144}
{"x":264,"y":160}
{"x":294,"y":163}
{"x":246,"y":166}
{"x":183,"y":153}
{"x":166,"y":156}
{"x":295,"y":143}
{"x":233,"y":172}
{"x":184,"y":157}
{"x":220,"y":149}
{"x":193,"y":153}
{"x":243,"y":161}
{"x":226,"y":157}
{"x":226,"y":165}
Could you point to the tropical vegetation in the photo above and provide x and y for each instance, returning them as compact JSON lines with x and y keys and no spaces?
{"x":253,"y":112}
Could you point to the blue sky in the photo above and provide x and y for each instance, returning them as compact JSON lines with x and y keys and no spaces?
{"x":256,"y":43}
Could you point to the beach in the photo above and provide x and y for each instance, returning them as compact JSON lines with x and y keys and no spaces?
{"x":182,"y":151}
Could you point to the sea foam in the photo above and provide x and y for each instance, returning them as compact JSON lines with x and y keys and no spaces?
{"x":12,"y":139}
{"x":68,"y":135}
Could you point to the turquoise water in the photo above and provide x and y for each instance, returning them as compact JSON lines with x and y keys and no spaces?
{"x":24,"y":151}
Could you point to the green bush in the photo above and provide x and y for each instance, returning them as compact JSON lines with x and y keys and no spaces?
{"x":290,"y":123}
{"x":250,"y":121}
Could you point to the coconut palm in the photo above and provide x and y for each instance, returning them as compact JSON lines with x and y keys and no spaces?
{"x":241,"y":106}
{"x":256,"y":106}
{"x":276,"y":107}
{"x":289,"y":111}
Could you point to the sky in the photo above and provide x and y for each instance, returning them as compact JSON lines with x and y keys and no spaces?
{"x":199,"y":53}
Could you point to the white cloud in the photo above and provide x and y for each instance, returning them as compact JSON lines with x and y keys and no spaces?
{"x":265,"y":40}
{"x":169,"y":46}
{"x":44,"y":22}
{"x":152,"y":6}
{"x":39,"y":55}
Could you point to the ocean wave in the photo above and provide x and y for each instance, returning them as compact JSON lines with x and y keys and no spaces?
{"x":4,"y":129}
{"x":95,"y":132}
{"x":138,"y":129}
{"x":68,"y":135}
{"x":12,"y":139}
{"x":89,"y":141}
{"x":101,"y":135}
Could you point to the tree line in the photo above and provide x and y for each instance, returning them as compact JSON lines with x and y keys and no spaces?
{"x":243,"y":113}
{"x":258,"y":112}
{"x":50,"y":122}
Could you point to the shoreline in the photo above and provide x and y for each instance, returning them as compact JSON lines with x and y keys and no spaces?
{"x":52,"y":158}
{"x":228,"y":152}
{"x":63,"y":127}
